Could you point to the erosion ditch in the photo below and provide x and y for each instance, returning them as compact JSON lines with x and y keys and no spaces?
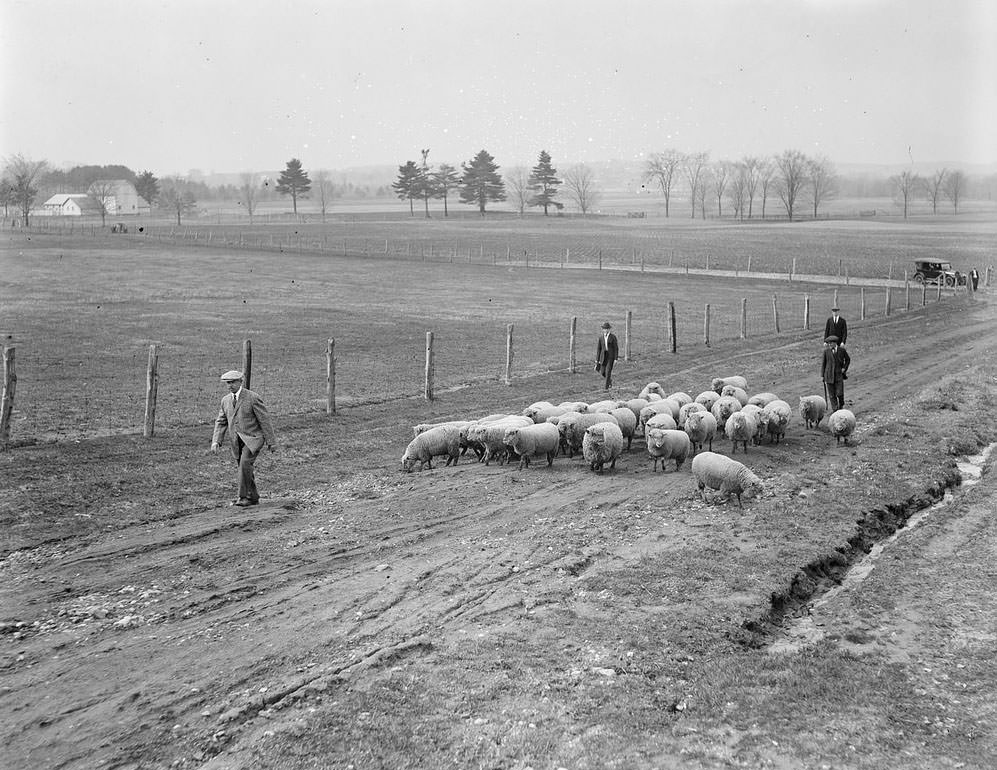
{"x":828,"y":571}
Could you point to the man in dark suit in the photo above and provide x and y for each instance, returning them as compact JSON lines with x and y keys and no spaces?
{"x":606,"y":353}
{"x":246,"y":421}
{"x":836,"y":327}
{"x":834,"y":372}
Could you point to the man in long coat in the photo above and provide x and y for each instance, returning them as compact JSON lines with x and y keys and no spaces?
{"x":834,"y":372}
{"x":836,"y":327}
{"x":247,"y":422}
{"x":606,"y":353}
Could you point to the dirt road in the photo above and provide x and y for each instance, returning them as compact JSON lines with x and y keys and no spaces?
{"x":468,"y":616}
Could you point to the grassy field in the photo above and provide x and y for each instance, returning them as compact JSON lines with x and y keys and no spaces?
{"x":88,"y":309}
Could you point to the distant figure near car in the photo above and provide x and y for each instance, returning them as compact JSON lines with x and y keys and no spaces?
{"x":974,"y":276}
{"x":606,"y":353}
{"x":836,"y":327}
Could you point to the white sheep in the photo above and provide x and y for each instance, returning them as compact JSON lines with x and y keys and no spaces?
{"x":652,"y":387}
{"x":602,"y":444}
{"x":660,"y":422}
{"x":724,"y":407}
{"x":541,"y":439}
{"x":842,"y":425}
{"x":573,"y":431}
{"x":761,"y":399}
{"x":761,"y":421}
{"x":741,"y":428}
{"x":536,"y":405}
{"x":424,"y":426}
{"x":575,"y":406}
{"x":707,"y":398}
{"x":635,"y":405}
{"x":736,"y":392}
{"x":602,"y":407}
{"x":680,"y":398}
{"x":668,"y":445}
{"x":701,"y":427}
{"x":736,"y":380}
{"x":812,"y":409}
{"x":656,"y":407}
{"x":491,"y":436}
{"x":779,"y":414}
{"x":725,"y":475}
{"x":627,"y":422}
{"x":545,"y":413}
{"x":692,"y":406}
{"x":443,"y":440}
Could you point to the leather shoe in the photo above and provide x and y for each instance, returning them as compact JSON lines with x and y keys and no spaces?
{"x":242,"y":502}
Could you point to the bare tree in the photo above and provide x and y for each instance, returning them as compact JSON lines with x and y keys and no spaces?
{"x":752,"y":170}
{"x":517,"y":183}
{"x":821,"y":174}
{"x":934,"y":186}
{"x":693,"y":166}
{"x":791,"y":168}
{"x":766,"y":180}
{"x":104,"y":194}
{"x":322,"y":185}
{"x":580,"y":183}
{"x":661,"y":167}
{"x":249,"y":190}
{"x":737,"y":189}
{"x":24,"y":176}
{"x":721,"y":173}
{"x":955,"y":186}
{"x":905,"y":185}
{"x":177,"y":197}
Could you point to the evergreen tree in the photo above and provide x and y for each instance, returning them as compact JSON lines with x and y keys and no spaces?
{"x":408,"y":185}
{"x":147,"y":186}
{"x":481,"y":182}
{"x":294,"y":181}
{"x":543,"y":183}
{"x":444,"y":181}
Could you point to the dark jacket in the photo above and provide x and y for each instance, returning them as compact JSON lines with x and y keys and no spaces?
{"x":838,"y":328}
{"x":834,"y":366}
{"x":607,"y":354}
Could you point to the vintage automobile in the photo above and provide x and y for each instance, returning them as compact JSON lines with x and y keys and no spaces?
{"x":926,"y":271}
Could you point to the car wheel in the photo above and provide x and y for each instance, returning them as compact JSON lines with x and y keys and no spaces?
{"x":918,"y":278}
{"x":949,"y":280}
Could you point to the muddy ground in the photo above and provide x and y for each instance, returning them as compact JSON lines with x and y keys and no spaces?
{"x":489,"y":617}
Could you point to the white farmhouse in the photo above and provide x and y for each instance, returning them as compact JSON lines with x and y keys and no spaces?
{"x":69,"y":205}
{"x":120,"y":197}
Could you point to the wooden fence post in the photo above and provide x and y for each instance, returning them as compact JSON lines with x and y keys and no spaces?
{"x":889,"y":295}
{"x":572,"y":360}
{"x":862,"y":304}
{"x":835,"y":298}
{"x":707,"y":261}
{"x":749,"y":264}
{"x":626,"y":337}
{"x":906,"y":292}
{"x":792,"y":270}
{"x":7,"y":396}
{"x":247,"y":364}
{"x":330,"y":376}
{"x":924,"y":294}
{"x":775,"y":312}
{"x":430,"y":366}
{"x":671,"y":326}
{"x":989,"y":275}
{"x":744,"y":318}
{"x":806,"y":312}
{"x":706,"y":325}
{"x":508,"y":354}
{"x":938,"y":295}
{"x":600,"y":259}
{"x":846,"y":275}
{"x":151,"y":391}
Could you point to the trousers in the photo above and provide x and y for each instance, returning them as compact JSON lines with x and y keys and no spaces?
{"x":247,"y":475}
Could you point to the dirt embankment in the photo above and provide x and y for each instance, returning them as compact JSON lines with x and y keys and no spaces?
{"x":456,"y":617}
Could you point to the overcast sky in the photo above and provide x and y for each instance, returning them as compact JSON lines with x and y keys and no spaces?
{"x":240,"y":85}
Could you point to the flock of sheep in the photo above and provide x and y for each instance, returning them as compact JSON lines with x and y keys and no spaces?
{"x":674,"y":427}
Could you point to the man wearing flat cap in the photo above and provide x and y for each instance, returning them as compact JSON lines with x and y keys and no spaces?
{"x":246,"y":421}
{"x":836,"y":327}
{"x":834,"y":372}
{"x":606,"y":353}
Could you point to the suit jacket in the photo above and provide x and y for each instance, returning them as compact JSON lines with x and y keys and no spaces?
{"x":248,"y":420}
{"x":839,"y":329}
{"x":607,"y":354}
{"x":834,"y":366}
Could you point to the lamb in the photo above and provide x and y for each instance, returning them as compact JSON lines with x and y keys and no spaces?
{"x":707,"y":398}
{"x":740,"y":428}
{"x":668,"y":445}
{"x":724,"y":407}
{"x":660,"y":422}
{"x":841,"y":424}
{"x":779,"y":413}
{"x":652,"y":387}
{"x":537,"y":440}
{"x":701,"y":427}
{"x":692,"y":406}
{"x":724,"y":474}
{"x":491,"y":436}
{"x":602,"y":444}
{"x":812,"y":409}
{"x":738,"y":393}
{"x":680,"y":398}
{"x":736,"y":380}
{"x":573,"y":431}
{"x":442,"y":440}
{"x":761,"y":399}
{"x":627,"y":422}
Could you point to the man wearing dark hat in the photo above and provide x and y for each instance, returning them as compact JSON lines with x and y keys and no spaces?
{"x":606,"y":353}
{"x":836,"y":327}
{"x":834,"y":372}
{"x":244,"y":417}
